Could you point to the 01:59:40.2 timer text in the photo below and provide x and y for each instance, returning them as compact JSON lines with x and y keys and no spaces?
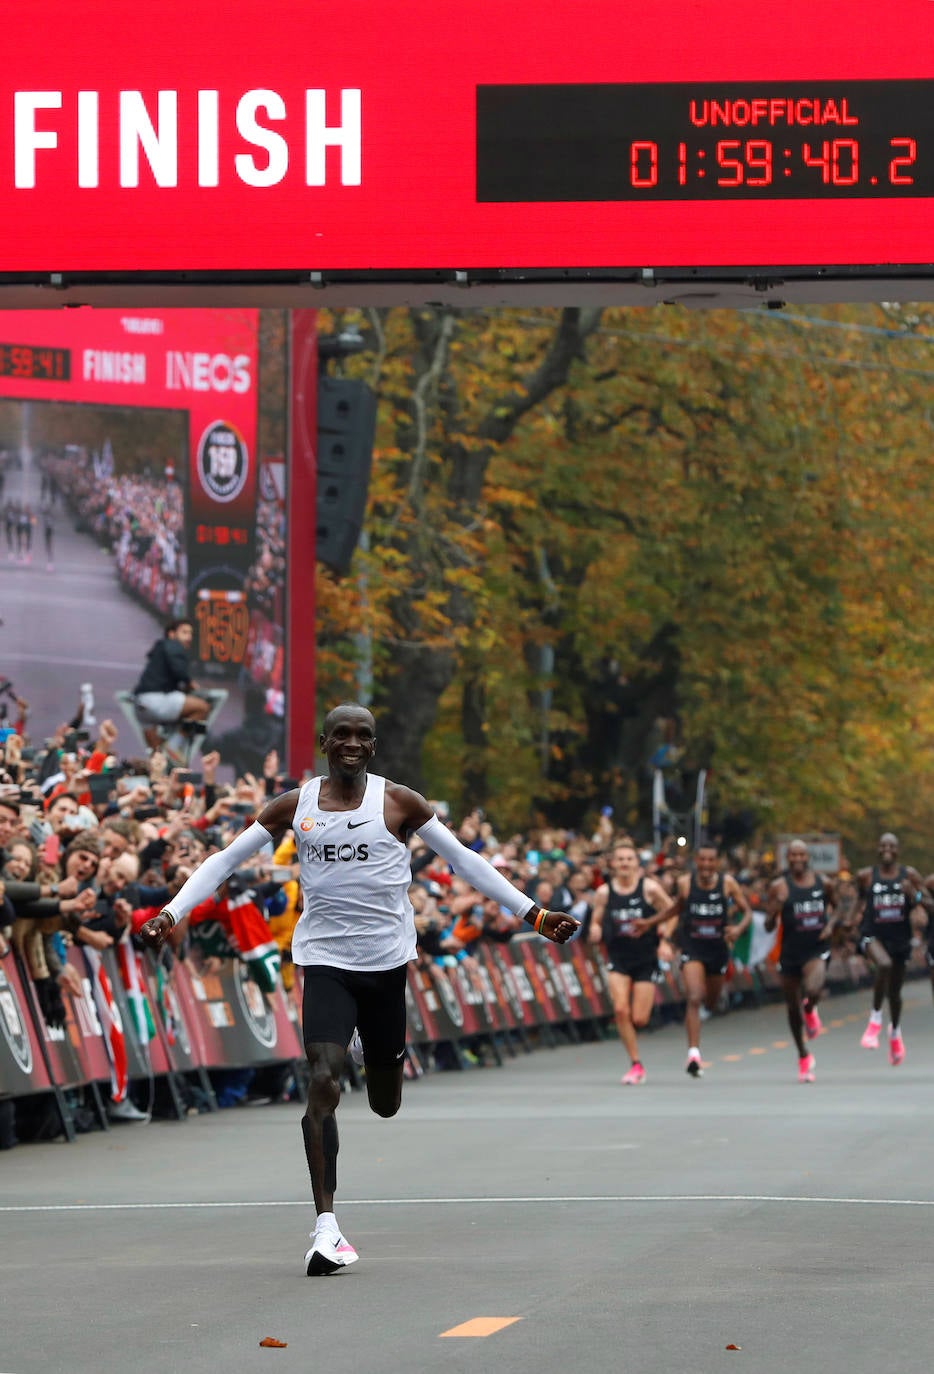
{"x":760,"y":163}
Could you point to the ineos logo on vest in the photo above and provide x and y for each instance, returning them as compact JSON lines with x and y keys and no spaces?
{"x":335,"y":853}
{"x":223,"y":463}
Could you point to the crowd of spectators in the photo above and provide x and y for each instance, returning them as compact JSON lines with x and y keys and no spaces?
{"x":93,"y":842}
{"x":562,"y":870}
{"x":265,"y":583}
{"x":140,"y":519}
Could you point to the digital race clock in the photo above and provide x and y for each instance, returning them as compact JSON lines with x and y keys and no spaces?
{"x":35,"y":363}
{"x":507,"y":146}
{"x":680,"y":141}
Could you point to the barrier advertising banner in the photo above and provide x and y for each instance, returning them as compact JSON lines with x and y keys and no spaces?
{"x":232,"y":1022}
{"x":22,"y":1066}
{"x":421,"y":1007}
{"x":82,"y":1024}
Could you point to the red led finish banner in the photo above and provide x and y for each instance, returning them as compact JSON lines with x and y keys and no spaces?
{"x":173,"y":137}
{"x":202,"y":362}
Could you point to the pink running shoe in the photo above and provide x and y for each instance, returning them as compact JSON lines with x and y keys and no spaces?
{"x":870,"y":1040}
{"x":896,"y":1049}
{"x":812,"y":1024}
{"x":635,"y":1075}
{"x":806,"y":1069}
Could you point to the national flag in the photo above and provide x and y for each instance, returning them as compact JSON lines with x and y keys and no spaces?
{"x":111,"y":1024}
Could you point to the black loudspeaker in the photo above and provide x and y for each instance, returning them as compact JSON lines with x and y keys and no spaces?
{"x":346,"y":427}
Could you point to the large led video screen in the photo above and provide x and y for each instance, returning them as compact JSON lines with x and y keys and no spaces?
{"x":132,"y":493}
{"x":487,"y":134}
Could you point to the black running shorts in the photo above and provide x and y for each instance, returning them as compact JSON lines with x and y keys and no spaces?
{"x":337,"y":999}
{"x":794,"y":958}
{"x":715,"y":960}
{"x":898,"y":950}
{"x":641,"y":971}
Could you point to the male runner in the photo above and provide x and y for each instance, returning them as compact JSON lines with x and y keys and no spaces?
{"x":803,"y":902}
{"x":702,"y":901}
{"x":620,"y":903}
{"x":888,"y":892}
{"x":355,"y":935}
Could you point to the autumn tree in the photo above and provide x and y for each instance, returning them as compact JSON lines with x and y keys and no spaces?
{"x":589,"y":529}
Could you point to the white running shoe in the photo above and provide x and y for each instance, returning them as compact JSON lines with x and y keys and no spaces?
{"x":329,"y":1252}
{"x":356,"y":1049}
{"x":694,"y":1067}
{"x":125,"y":1111}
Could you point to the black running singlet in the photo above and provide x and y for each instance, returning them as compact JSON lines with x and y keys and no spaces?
{"x":704,"y":918}
{"x":621,"y":910}
{"x":887,"y":909}
{"x":804,"y":916}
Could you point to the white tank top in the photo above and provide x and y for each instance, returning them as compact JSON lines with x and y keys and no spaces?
{"x":355,"y":878}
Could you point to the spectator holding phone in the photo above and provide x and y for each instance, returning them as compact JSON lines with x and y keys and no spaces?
{"x":56,"y":819}
{"x":34,"y":894}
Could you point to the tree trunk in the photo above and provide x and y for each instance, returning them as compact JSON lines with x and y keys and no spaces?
{"x":473,"y":719}
{"x":407,"y":711}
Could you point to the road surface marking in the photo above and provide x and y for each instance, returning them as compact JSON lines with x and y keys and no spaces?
{"x":731,"y":1058}
{"x":757,"y":1049}
{"x":535,"y":1201}
{"x":481,"y":1326}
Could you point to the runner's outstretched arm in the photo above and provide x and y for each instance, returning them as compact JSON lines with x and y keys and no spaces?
{"x":217,"y":868}
{"x":554,"y":925}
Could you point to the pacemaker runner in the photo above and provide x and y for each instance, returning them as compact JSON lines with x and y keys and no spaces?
{"x":621,"y":906}
{"x":706,"y":936}
{"x":888,"y":892}
{"x":803,"y":901}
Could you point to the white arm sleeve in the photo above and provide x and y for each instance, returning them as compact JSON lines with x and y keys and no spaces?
{"x":473,"y":869}
{"x":216,"y":869}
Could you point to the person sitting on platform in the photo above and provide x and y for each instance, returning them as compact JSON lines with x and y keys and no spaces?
{"x":165,"y":692}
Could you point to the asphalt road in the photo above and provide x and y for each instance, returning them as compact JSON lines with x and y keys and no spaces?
{"x":74,"y":624}
{"x":594,"y":1227}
